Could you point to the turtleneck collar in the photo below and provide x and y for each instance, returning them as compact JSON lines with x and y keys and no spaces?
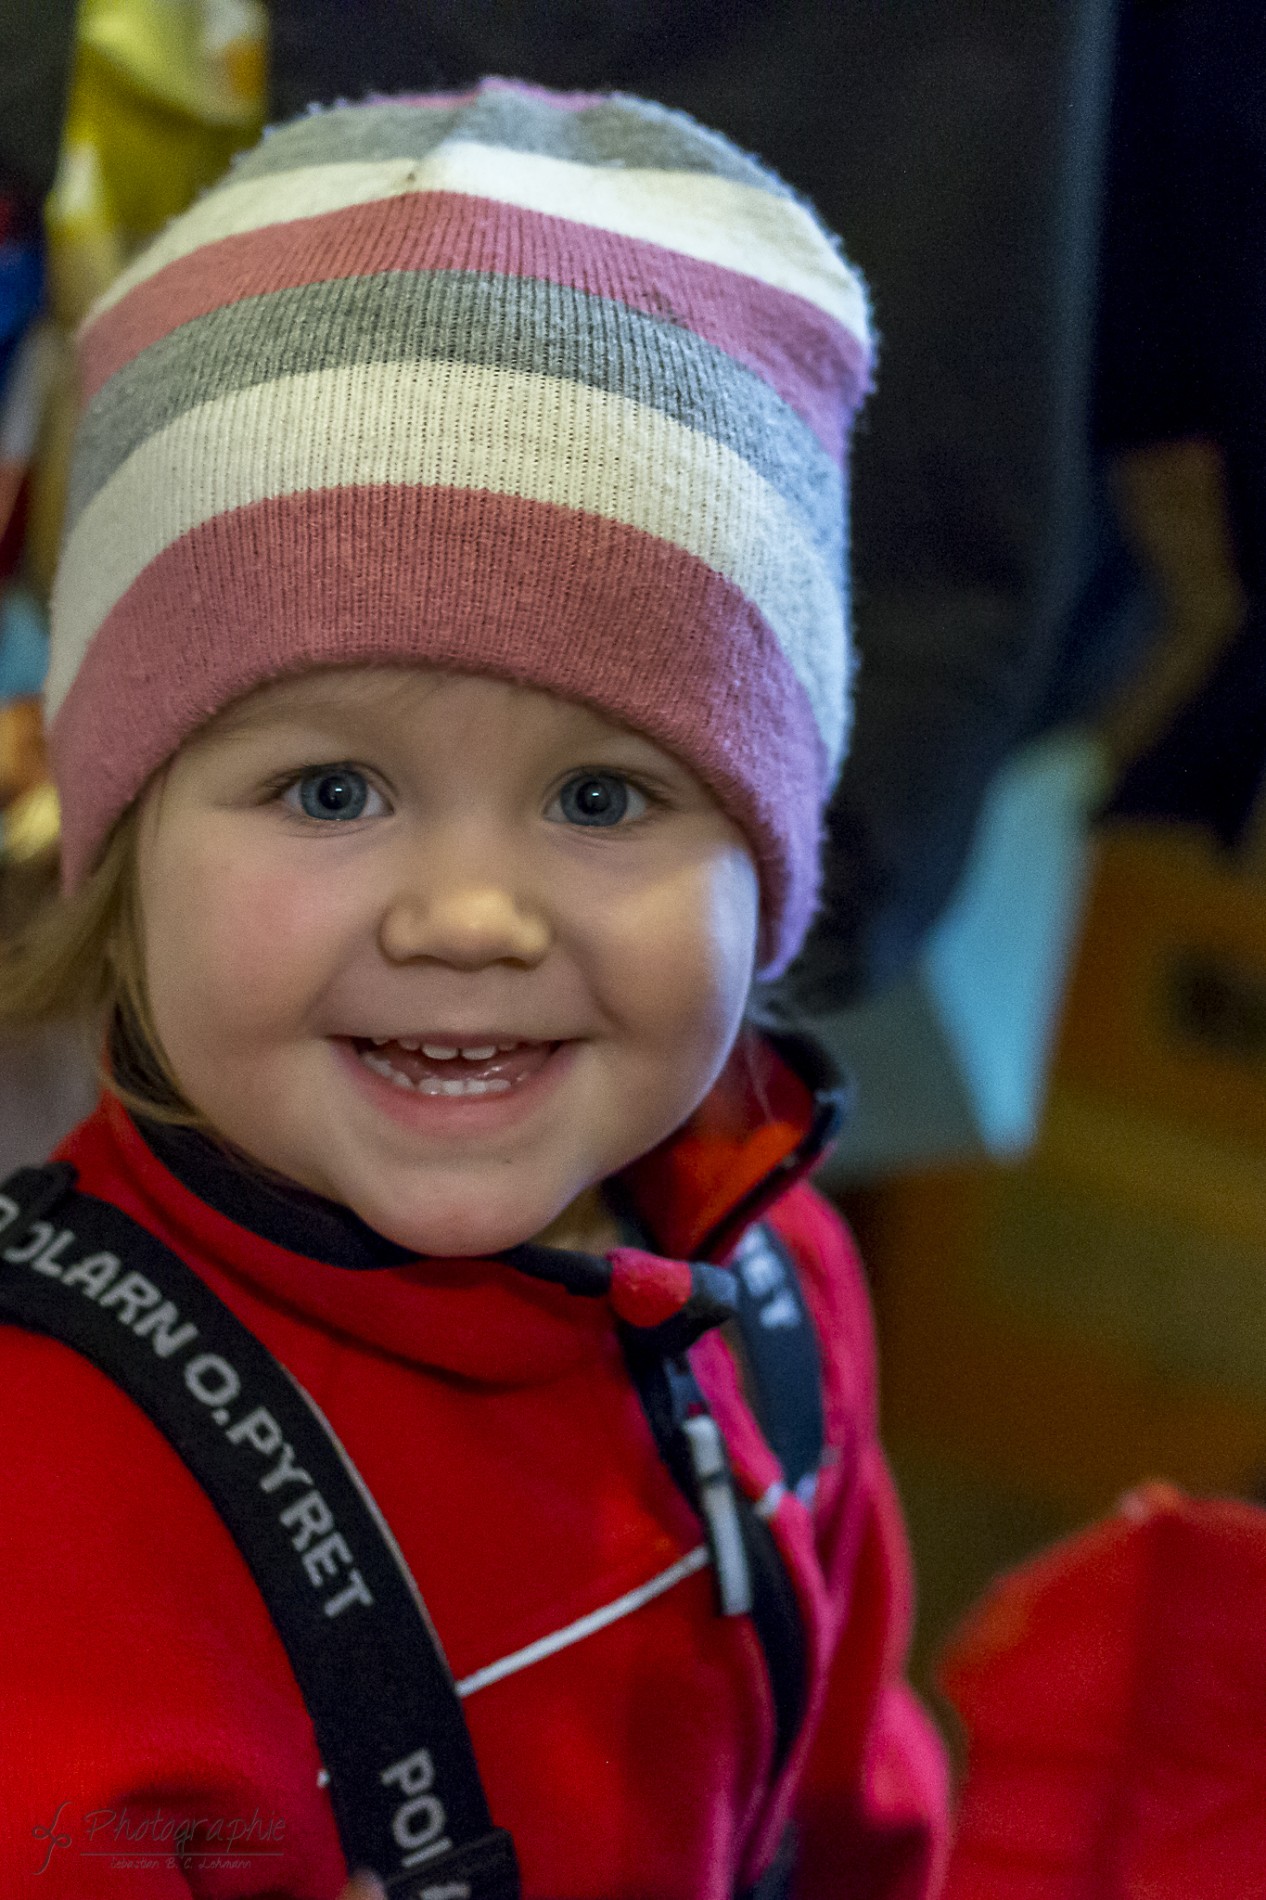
{"x":278,"y":1211}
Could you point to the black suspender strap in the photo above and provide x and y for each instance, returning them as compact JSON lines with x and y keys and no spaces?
{"x":403,"y":1779}
{"x":782,"y":1350}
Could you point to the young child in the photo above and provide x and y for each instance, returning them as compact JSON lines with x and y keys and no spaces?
{"x":448,"y":674}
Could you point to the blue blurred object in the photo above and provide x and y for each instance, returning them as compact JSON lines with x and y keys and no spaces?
{"x":950,"y":1064}
{"x":23,"y":644}
{"x":21,"y":293}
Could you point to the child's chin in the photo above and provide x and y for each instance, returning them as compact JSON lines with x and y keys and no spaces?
{"x":460,"y":1233}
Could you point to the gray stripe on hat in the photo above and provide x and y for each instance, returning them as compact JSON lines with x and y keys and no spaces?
{"x":479,"y":318}
{"x":619,"y":132}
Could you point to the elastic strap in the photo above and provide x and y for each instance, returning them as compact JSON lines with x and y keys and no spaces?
{"x":670,"y":1393}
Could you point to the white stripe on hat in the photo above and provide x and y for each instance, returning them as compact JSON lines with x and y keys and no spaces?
{"x":716,"y":220}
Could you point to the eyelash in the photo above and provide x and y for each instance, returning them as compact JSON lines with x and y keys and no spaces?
{"x":655,"y":799}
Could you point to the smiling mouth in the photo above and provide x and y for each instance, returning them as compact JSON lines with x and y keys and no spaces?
{"x":434,"y":1066}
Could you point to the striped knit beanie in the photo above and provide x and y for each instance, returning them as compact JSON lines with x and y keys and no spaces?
{"x":549,"y":386}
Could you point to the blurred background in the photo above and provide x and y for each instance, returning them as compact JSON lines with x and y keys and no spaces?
{"x":1042,"y":955}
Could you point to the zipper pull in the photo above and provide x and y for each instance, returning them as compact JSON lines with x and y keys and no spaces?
{"x":719,"y":1509}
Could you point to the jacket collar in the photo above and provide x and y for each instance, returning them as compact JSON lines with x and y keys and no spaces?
{"x":765,"y":1125}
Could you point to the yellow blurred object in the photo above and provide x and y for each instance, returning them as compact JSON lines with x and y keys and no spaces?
{"x":163,"y":93}
{"x":23,"y":764}
{"x":204,"y":58}
{"x":51,"y":467}
{"x":32,"y":825}
{"x":1171,"y":497}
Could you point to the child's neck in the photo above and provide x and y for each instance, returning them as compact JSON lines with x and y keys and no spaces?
{"x":587,"y":1226}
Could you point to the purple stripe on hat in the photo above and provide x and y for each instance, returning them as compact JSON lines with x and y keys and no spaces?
{"x":819,"y":368}
{"x":572,"y":603}
{"x":521,"y":88}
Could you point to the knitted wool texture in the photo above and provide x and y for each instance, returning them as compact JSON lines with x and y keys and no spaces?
{"x":552,"y":387}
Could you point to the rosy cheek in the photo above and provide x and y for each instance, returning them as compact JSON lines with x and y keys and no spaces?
{"x":240,"y":943}
{"x":722,"y":939}
{"x":683,"y":969}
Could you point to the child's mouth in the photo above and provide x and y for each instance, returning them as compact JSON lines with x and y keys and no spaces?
{"x":432,"y":1065}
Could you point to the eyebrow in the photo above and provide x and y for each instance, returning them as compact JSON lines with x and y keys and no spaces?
{"x":316,"y":692}
{"x":331,"y":691}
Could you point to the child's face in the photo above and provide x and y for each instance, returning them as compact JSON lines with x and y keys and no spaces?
{"x":454,"y":862}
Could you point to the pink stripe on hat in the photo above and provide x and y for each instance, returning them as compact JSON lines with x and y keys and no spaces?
{"x":521,"y":88}
{"x":641,"y":630}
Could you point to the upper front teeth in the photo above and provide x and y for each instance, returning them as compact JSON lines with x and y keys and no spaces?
{"x":443,"y":1052}
{"x":434,"y":1084}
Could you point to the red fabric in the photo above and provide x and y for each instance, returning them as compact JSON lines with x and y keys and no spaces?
{"x":1114,"y":1696}
{"x":732,"y":1144}
{"x":492,"y":1420}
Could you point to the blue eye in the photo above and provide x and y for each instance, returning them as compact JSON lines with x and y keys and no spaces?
{"x":333,"y":791}
{"x":599,"y":798}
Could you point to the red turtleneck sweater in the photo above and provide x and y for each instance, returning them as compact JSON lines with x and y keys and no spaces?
{"x":142,"y":1681}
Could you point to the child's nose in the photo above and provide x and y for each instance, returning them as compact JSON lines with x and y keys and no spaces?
{"x":467,"y":924}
